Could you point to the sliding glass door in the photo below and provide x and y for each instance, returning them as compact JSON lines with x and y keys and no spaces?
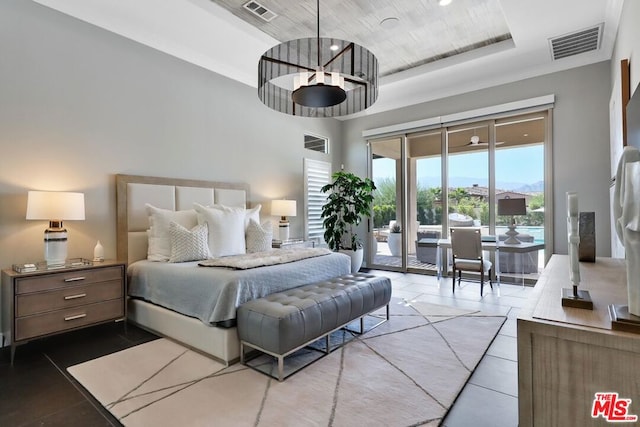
{"x":424,"y":198}
{"x":434,"y":179}
{"x":388,"y":240}
{"x":468,"y":180}
{"x":520,"y":174}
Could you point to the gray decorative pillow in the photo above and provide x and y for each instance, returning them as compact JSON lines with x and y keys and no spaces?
{"x":188,"y":245}
{"x":258,"y":236}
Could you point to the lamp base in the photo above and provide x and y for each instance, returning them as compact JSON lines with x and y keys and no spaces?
{"x":283,"y":230}
{"x":55,"y":244}
{"x":512,"y":233}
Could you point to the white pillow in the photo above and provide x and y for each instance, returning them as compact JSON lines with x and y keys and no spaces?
{"x":226,"y":229}
{"x":250,"y":214}
{"x":259,"y":236}
{"x":159,"y":247}
{"x":188,"y":245}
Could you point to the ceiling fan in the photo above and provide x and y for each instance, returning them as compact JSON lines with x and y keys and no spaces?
{"x":475,"y":141}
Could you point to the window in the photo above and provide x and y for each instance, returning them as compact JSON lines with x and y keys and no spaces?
{"x":316,"y":143}
{"x":316,"y":175}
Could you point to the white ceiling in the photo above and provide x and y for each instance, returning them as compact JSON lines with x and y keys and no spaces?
{"x":204,"y":33}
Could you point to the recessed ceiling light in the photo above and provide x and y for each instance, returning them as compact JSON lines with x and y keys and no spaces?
{"x":526,"y":134}
{"x":334,"y":47}
{"x":388,"y":23}
{"x":444,"y":2}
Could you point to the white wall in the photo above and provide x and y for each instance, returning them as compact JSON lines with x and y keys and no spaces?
{"x":628,"y":43}
{"x":580,"y":137}
{"x":79,"y":104}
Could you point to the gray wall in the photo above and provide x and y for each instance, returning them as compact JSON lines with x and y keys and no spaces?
{"x":580,"y":137}
{"x":79,"y":104}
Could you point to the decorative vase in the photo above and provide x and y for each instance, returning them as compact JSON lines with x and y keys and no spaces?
{"x":394,"y":240}
{"x":587,"y":232}
{"x":98,"y":252}
{"x":356,"y":258}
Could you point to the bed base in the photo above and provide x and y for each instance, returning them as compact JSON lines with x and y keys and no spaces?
{"x":221,"y":344}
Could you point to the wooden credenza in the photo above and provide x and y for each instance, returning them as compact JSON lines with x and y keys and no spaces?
{"x":566,"y":355}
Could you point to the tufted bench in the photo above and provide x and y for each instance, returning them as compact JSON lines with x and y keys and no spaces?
{"x":281,"y":323}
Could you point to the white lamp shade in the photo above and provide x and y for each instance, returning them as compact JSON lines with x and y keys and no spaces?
{"x":55,"y":205}
{"x":283,"y":207}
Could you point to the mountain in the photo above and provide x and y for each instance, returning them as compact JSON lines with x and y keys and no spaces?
{"x":536,"y":187}
{"x":461,"y":181}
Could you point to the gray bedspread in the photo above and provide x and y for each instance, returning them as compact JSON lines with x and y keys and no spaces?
{"x":212,"y":294}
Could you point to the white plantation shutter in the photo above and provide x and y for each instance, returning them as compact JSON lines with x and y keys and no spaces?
{"x":316,"y":174}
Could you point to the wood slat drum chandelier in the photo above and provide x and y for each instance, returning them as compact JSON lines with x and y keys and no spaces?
{"x":318,"y":77}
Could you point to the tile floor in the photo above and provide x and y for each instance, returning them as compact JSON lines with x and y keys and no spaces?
{"x":38,"y":391}
{"x":490,"y":398}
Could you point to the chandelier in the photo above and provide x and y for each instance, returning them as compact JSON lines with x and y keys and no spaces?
{"x":318,"y":77}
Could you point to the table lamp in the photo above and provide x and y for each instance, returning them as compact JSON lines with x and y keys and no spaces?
{"x":283,"y":209}
{"x":509,"y":206}
{"x":55,"y":207}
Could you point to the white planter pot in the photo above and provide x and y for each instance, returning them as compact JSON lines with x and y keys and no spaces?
{"x":356,"y":258}
{"x":394,"y":240}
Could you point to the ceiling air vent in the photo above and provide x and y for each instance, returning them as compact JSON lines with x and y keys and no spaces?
{"x":259,"y":10}
{"x":578,"y":42}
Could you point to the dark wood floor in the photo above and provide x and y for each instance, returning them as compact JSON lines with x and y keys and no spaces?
{"x":38,"y":391}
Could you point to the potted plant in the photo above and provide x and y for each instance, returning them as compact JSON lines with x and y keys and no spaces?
{"x":350,"y":198}
{"x":394,"y":240}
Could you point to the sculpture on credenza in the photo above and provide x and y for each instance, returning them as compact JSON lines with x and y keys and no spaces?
{"x":626,"y":212}
{"x":572,"y":297}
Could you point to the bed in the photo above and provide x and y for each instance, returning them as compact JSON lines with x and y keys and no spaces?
{"x":162,"y":295}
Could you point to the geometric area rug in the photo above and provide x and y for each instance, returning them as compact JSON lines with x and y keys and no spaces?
{"x":406,"y":372}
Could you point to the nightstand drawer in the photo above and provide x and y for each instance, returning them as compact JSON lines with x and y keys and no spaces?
{"x":34,"y":303}
{"x":66,"y":279}
{"x":57,"y":321}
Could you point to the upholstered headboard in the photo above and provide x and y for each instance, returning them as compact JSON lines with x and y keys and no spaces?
{"x":133,"y":192}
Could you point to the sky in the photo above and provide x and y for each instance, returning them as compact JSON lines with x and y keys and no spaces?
{"x":518,"y":165}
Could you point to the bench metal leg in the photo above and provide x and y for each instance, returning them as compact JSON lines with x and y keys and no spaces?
{"x":280,"y":368}
{"x":362,"y":331}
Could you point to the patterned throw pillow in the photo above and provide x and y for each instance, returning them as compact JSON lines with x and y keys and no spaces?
{"x":188,"y":245}
{"x":259,"y":236}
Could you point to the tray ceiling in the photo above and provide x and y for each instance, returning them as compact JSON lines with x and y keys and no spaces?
{"x":402,"y":34}
{"x":433,"y":52}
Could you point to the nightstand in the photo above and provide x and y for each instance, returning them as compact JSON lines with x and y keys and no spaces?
{"x":292,"y":243}
{"x":37,"y":304}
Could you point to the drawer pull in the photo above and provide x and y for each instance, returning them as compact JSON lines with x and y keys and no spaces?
{"x":77,"y":316}
{"x":74,"y":279}
{"x":68,"y":297}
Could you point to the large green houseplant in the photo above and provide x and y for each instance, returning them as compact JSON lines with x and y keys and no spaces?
{"x":350,"y":199}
